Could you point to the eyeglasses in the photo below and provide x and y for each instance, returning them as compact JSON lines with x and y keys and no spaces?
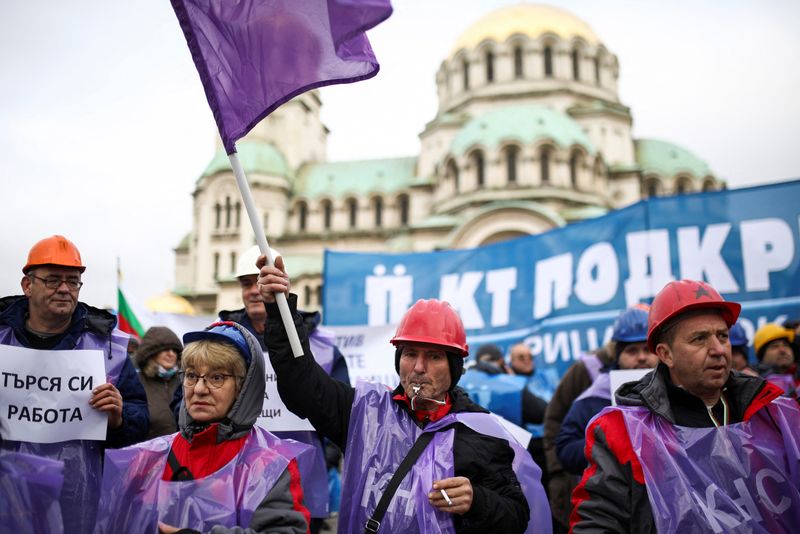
{"x":215,"y":380}
{"x":54,"y":282}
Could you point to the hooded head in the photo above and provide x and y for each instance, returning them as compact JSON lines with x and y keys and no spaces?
{"x":246,"y":407}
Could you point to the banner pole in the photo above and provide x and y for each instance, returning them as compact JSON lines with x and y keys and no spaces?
{"x":261,"y":239}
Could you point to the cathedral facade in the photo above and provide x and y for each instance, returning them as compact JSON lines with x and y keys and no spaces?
{"x":529,"y":135}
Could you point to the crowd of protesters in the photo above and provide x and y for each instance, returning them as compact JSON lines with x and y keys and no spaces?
{"x":707,"y":440}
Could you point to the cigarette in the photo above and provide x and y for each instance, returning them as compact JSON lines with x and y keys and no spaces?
{"x":446,"y":497}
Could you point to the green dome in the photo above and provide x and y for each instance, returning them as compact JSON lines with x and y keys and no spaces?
{"x":525,"y":124}
{"x":342,"y":178}
{"x":666,"y":159}
{"x":255,"y":156}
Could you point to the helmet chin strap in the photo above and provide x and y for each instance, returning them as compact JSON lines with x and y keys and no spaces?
{"x":415,"y":395}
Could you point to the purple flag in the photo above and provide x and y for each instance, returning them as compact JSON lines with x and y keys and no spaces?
{"x":254,"y":55}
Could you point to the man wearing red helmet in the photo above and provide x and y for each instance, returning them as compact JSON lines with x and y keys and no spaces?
{"x":693,"y":446}
{"x":464,"y":476}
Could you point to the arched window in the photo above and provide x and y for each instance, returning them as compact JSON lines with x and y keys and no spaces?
{"x":489,"y":66}
{"x":465,"y":66}
{"x":307,"y":295}
{"x":597,"y":70}
{"x":352,"y":211}
{"x":452,"y":172}
{"x":319,"y":294}
{"x":652,"y":188}
{"x":574,"y":168}
{"x":708,"y":185}
{"x":233,"y":262}
{"x":480,"y":169}
{"x":548,"y":61}
{"x":238,"y":211}
{"x":544,"y":166}
{"x":576,"y":64}
{"x":377,"y":207}
{"x":519,"y":69}
{"x":217,"y":214}
{"x":684,"y":185}
{"x":327,"y":214}
{"x":227,"y":212}
{"x":403,"y":207}
{"x":512,"y":154}
{"x":216,"y":266}
{"x":302,"y":216}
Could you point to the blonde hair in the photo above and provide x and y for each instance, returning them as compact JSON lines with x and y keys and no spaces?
{"x":215,"y":355}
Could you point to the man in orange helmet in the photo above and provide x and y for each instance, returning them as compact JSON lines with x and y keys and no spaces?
{"x":49,"y":317}
{"x":422,"y":458}
{"x":693,"y":446}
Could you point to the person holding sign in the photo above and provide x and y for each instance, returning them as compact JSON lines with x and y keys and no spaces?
{"x":49,"y":317}
{"x":220,"y":473}
{"x":692,"y":446}
{"x":422,"y":458}
{"x":629,"y":347}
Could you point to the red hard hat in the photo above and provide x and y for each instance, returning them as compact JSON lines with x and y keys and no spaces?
{"x":681,"y":296}
{"x":54,"y":250}
{"x":434,"y":322}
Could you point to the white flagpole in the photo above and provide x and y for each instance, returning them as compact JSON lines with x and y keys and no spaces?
{"x":261,"y":239}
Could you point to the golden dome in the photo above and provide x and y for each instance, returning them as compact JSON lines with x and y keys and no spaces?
{"x":169,"y":303}
{"x":525,"y":19}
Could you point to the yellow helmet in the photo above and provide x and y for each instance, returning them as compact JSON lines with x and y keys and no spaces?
{"x":770,"y":332}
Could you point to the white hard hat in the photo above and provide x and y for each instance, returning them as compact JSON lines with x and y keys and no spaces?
{"x":246,"y":264}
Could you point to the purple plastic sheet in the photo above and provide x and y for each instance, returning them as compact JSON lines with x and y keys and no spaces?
{"x":82,"y":459}
{"x":379,"y":438}
{"x":322,"y":342}
{"x":783,"y":381}
{"x":313,"y":471}
{"x":30,"y":487}
{"x":740,"y":478}
{"x":254,"y":55}
{"x":134,"y":498}
{"x":600,"y":388}
{"x":593,"y":365}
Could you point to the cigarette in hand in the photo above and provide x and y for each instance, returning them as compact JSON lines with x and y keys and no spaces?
{"x":446,"y":497}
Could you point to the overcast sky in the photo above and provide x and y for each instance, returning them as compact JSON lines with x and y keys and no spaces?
{"x":104,"y":127}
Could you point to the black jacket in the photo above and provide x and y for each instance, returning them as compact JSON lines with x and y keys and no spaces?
{"x":498,"y":502}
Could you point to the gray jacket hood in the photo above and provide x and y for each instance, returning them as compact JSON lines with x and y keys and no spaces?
{"x":246,"y":408}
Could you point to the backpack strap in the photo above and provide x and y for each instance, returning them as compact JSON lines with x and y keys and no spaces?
{"x":179,"y":472}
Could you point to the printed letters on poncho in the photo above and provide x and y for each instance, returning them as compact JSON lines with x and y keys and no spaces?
{"x":380,"y":436}
{"x":739,"y":478}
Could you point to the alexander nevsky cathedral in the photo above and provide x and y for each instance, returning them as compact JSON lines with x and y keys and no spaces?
{"x":529,"y":135}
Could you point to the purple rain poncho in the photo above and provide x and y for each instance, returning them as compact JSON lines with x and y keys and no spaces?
{"x":379,"y":437}
{"x":30,"y":487}
{"x":740,"y":478}
{"x":83,"y":459}
{"x":134,"y":498}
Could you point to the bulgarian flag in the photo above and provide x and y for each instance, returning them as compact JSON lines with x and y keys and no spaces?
{"x":128,"y":320}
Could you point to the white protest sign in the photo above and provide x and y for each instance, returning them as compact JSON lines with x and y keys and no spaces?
{"x":369,"y":354}
{"x":275,"y":416}
{"x":44,"y":394}
{"x":618,"y":377}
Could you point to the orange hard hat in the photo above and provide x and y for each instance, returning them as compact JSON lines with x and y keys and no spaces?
{"x":434,"y":322}
{"x":681,"y":296}
{"x":54,"y":250}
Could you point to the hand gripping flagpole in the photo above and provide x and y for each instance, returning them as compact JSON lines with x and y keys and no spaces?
{"x":261,"y":239}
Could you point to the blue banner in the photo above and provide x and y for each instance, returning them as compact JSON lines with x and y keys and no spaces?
{"x":560,"y":291}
